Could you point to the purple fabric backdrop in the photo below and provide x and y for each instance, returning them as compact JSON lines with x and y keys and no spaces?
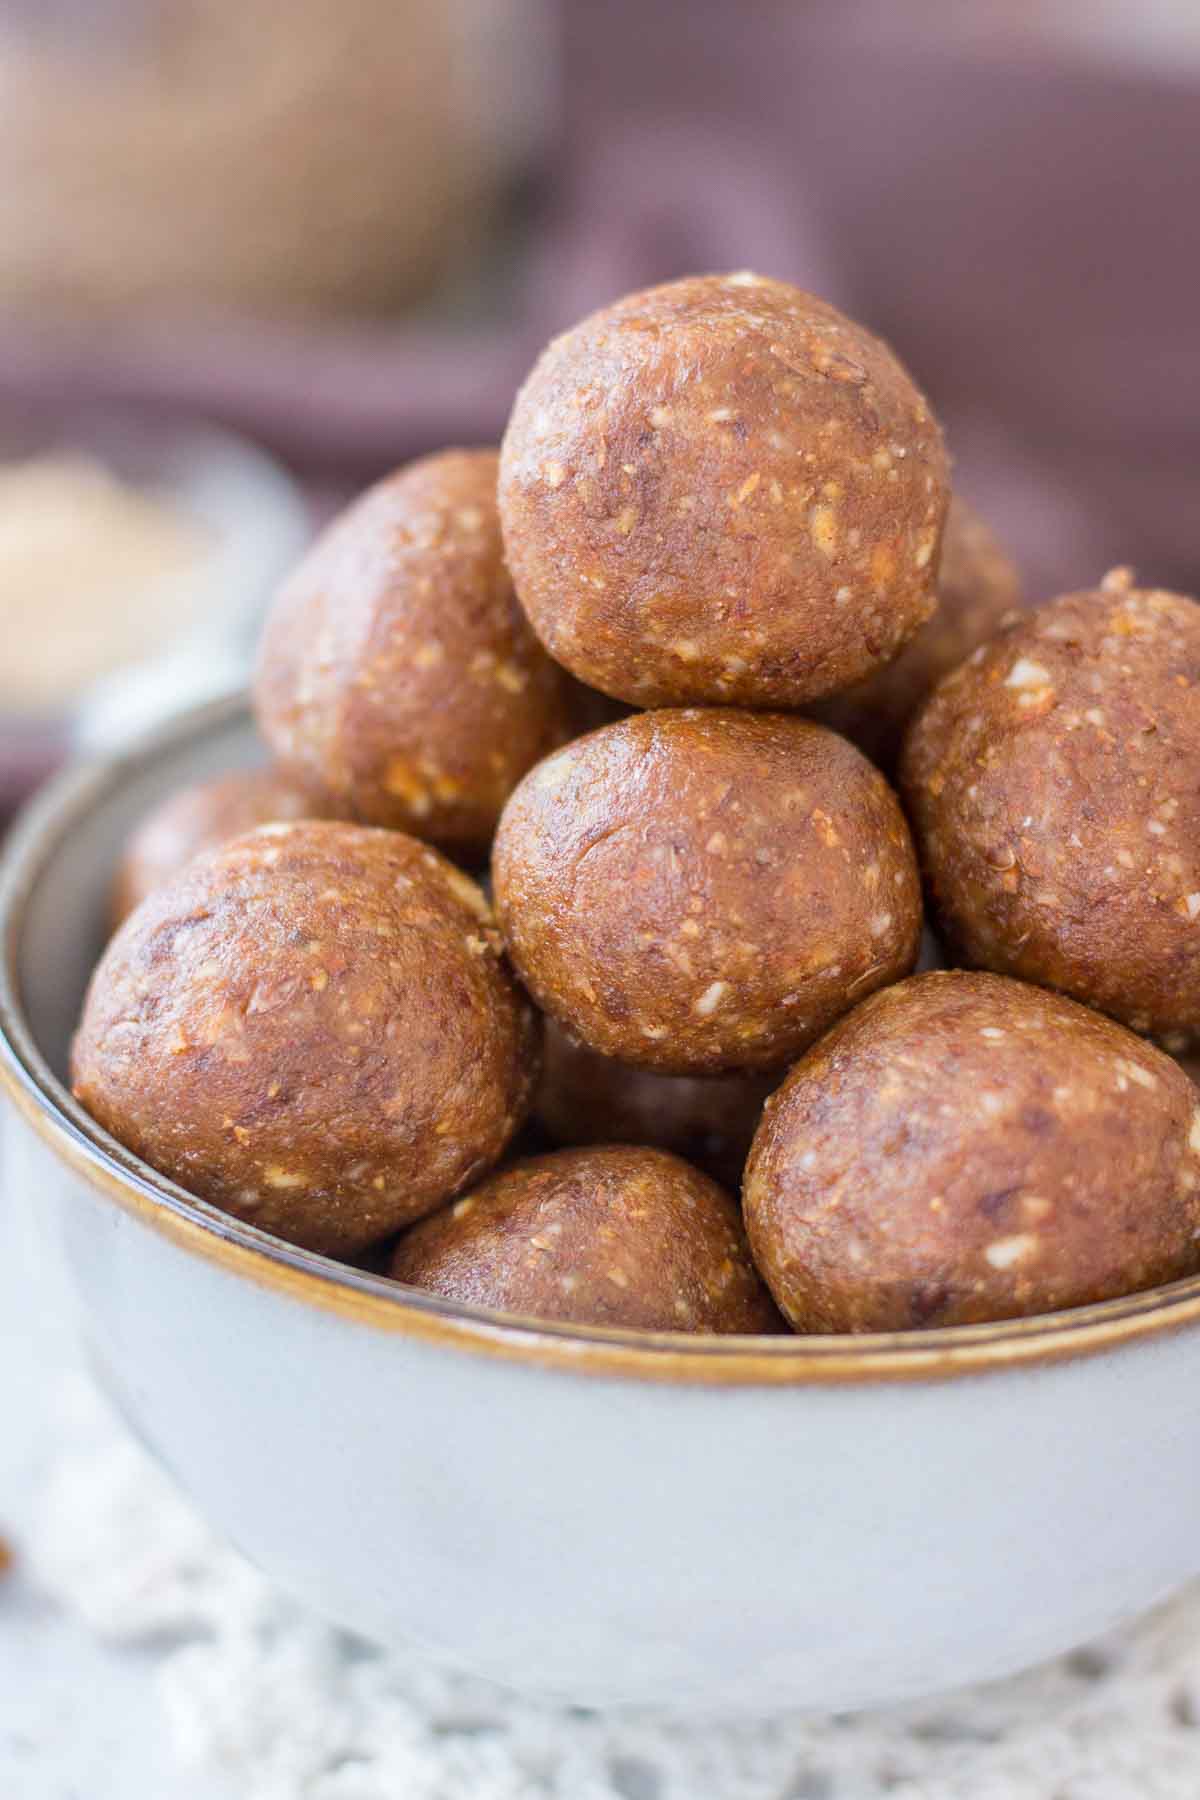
{"x":1026,"y":232}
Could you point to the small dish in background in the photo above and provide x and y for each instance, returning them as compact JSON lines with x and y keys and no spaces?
{"x":151,"y":547}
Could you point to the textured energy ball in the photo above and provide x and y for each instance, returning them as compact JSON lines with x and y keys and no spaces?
{"x":313,"y":1028}
{"x":586,"y":1098}
{"x":722,"y":490}
{"x":964,"y":1148}
{"x":203,"y":817}
{"x":614,"y":1236}
{"x":1052,"y":785}
{"x":978,"y":589}
{"x":397,"y":667}
{"x":705,"y":890}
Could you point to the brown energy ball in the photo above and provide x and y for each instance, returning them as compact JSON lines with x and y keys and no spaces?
{"x":397,"y":667}
{"x":614,"y":1236}
{"x":1052,"y":785}
{"x":705,"y":890}
{"x":722,"y":490}
{"x":978,"y":589}
{"x":314,"y":1028}
{"x":201,"y":818}
{"x":963,"y":1148}
{"x":586,"y":1098}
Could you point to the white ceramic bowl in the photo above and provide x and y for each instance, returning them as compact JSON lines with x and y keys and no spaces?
{"x":726,"y":1524}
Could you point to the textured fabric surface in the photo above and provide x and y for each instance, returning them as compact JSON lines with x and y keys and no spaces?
{"x":264,"y":1701}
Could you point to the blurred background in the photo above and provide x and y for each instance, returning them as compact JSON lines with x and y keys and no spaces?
{"x":253,"y":255}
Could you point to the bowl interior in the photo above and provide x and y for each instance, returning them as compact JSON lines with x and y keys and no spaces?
{"x":59,"y":925}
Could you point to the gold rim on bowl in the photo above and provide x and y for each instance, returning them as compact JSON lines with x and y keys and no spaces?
{"x":307,"y":1278}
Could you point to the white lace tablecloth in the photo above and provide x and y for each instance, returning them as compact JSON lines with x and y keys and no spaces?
{"x":141,"y":1658}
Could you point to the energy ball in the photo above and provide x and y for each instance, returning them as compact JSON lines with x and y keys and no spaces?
{"x":964,"y":1148}
{"x":979,"y":589}
{"x":397,"y":668}
{"x":614,"y":1236}
{"x":586,"y":1098}
{"x":706,"y":890}
{"x":1051,"y":781}
{"x":722,"y":491}
{"x":313,"y":1028}
{"x":201,"y":818}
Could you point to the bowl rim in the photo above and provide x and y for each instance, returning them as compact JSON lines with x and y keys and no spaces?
{"x":251,"y":1254}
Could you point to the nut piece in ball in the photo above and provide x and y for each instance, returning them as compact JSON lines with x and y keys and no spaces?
{"x":397,"y":667}
{"x":312,"y":1027}
{"x":1051,"y":780}
{"x":964,"y":1148}
{"x":203,"y":817}
{"x":705,"y":890}
{"x":722,"y":490}
{"x":614,"y":1236}
{"x":978,"y":589}
{"x":586,"y":1098}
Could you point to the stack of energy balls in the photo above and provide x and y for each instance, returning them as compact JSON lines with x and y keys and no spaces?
{"x":658,"y":660}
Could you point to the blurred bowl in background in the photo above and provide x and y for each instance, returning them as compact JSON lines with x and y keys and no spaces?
{"x":136,"y":557}
{"x":290,"y":158}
